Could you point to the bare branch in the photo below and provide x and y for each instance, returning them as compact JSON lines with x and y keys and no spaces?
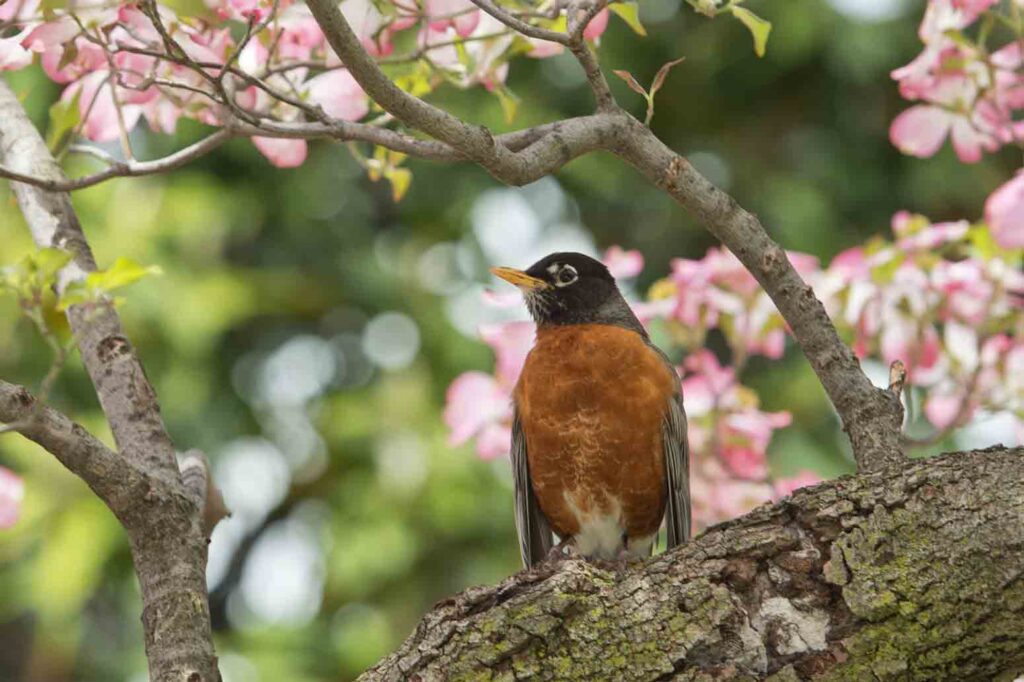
{"x":517,"y":24}
{"x":198,"y":481}
{"x":77,"y":449}
{"x":872,"y":417}
{"x":123,"y":168}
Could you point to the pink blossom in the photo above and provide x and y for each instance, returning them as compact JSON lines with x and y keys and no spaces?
{"x":477,"y":405}
{"x":495,"y":439}
{"x":1004,"y":212}
{"x":12,"y":491}
{"x":942,"y":409}
{"x":511,"y":342}
{"x":282,"y":152}
{"x":14,"y":11}
{"x":97,"y":107}
{"x":12,"y":55}
{"x":786,"y":486}
{"x":461,"y":15}
{"x":921,"y":130}
{"x":51,"y":34}
{"x":339,"y":94}
{"x":597,"y":25}
{"x":623,"y":264}
{"x":745,"y":462}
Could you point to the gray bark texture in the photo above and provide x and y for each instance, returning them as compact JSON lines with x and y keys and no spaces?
{"x":911,"y":573}
{"x":141,"y":483}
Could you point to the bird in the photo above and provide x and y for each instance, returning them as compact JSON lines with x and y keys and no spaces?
{"x":599,"y":451}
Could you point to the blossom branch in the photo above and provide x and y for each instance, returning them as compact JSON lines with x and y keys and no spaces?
{"x":475,"y":143}
{"x":577,"y":136}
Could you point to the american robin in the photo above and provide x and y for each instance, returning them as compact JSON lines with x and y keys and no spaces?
{"x":599,"y":447}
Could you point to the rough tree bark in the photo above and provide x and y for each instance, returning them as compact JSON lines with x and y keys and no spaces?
{"x":141,"y":483}
{"x":914,"y":573}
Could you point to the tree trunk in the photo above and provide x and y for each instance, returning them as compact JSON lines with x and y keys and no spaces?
{"x":912,"y":573}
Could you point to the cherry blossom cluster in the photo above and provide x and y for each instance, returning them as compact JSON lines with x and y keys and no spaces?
{"x":968,"y":86}
{"x":967,"y":80}
{"x":121,"y":63}
{"x":945,"y":300}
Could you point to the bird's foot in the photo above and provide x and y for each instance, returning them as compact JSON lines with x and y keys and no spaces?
{"x":563,"y":551}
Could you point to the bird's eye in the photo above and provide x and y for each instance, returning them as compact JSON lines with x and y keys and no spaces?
{"x":566,"y":276}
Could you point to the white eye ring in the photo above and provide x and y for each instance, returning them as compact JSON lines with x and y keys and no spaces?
{"x":566,"y":276}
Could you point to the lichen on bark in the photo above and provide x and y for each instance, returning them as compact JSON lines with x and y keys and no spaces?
{"x":912,"y":573}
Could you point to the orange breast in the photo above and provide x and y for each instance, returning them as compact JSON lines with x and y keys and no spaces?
{"x":592,"y":399}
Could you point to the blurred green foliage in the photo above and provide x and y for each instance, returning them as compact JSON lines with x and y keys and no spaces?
{"x":355,"y":502}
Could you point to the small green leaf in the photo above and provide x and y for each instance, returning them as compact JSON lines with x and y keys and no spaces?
{"x":400,"y":179}
{"x":124,"y":271}
{"x":64,"y":118}
{"x":759,"y":28}
{"x":76,"y":293}
{"x":48,"y":262}
{"x":69,"y":54}
{"x":509,"y":102}
{"x":629,"y":12}
{"x":630,"y":81}
{"x":983,"y":242}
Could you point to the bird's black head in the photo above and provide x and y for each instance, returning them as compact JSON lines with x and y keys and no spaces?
{"x":570,"y":288}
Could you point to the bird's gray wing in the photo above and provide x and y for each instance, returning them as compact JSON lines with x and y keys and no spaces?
{"x":677,"y":472}
{"x":677,"y":460}
{"x":533,"y":529}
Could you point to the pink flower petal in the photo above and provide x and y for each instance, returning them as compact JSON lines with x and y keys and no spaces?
{"x":786,"y":486}
{"x":339,"y":94}
{"x":920,"y":130}
{"x":1004,"y":212}
{"x":473,"y":401}
{"x":12,"y":491}
{"x":51,"y":34}
{"x":511,"y":342}
{"x":597,"y":25}
{"x":12,"y":55}
{"x":281,"y":152}
{"x":745,"y":462}
{"x":942,"y":409}
{"x":623,"y":264}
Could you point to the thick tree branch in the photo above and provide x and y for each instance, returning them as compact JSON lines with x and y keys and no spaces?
{"x":102,"y":469}
{"x":575,"y":136}
{"x":163,"y":524}
{"x":872,"y":417}
{"x":911,"y":574}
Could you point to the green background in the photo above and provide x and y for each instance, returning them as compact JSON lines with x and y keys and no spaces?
{"x":263,"y":338}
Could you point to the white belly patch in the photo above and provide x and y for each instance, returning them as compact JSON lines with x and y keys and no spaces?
{"x":601,"y":532}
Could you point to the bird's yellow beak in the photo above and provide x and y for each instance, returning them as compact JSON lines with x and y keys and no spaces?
{"x":520,"y":279}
